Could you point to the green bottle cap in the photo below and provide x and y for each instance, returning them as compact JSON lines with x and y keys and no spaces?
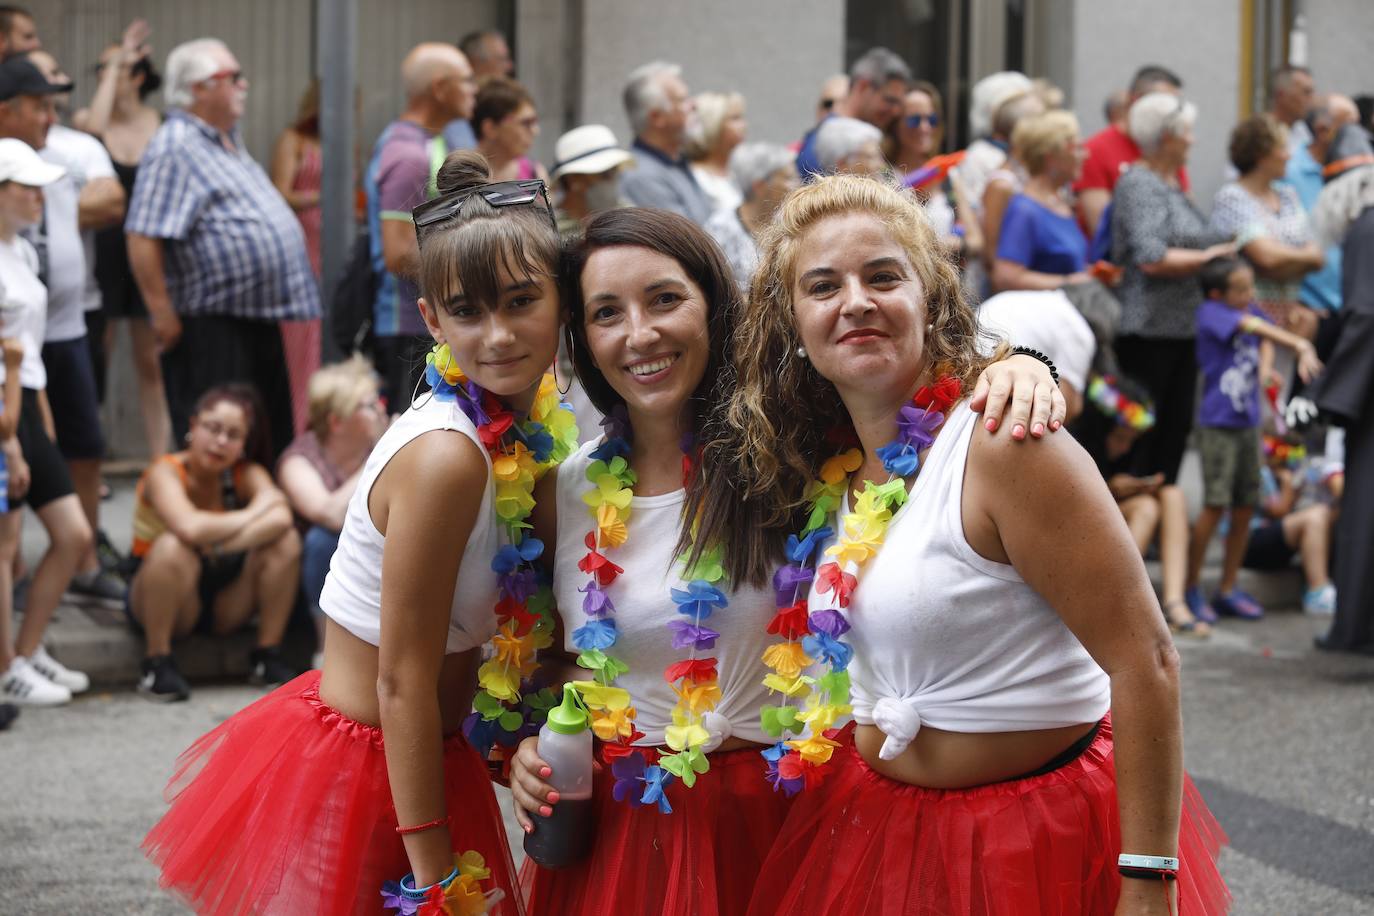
{"x":568,"y":718}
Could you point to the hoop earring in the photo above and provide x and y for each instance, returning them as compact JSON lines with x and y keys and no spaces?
{"x":562,"y":392}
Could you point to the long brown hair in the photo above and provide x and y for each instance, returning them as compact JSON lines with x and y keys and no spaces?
{"x":679,"y":238}
{"x":782,"y":415}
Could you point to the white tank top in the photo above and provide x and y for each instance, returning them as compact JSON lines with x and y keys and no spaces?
{"x":352,"y":594}
{"x":947,"y":638}
{"x":643,"y":608}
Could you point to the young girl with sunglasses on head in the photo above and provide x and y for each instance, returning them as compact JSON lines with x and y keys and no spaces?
{"x":320,"y":797}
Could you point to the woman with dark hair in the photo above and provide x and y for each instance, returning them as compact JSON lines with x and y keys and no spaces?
{"x":957,"y":612}
{"x":120,"y":116}
{"x":670,"y":638}
{"x":321,"y":795}
{"x":297,"y":170}
{"x":213,"y":542}
{"x":506,"y":124}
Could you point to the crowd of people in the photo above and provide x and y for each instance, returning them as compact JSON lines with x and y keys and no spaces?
{"x":735,"y":311}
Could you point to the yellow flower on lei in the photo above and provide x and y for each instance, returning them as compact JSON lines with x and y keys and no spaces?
{"x":600,"y":696}
{"x":821,"y":716}
{"x":473,"y":865}
{"x":815,"y":750}
{"x":863,"y":537}
{"x":685,"y":732}
{"x":613,"y":723}
{"x":836,"y":469}
{"x":514,"y":501}
{"x":608,"y":491}
{"x":798,"y":686}
{"x":697,"y":698}
{"x":499,"y":679}
{"x":788,"y":659}
{"x":610,"y":526}
{"x":463,"y":897}
{"x":441,"y":358}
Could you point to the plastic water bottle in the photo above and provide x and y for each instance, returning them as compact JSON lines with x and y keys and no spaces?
{"x":565,"y":744}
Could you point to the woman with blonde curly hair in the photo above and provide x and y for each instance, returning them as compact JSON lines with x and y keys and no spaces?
{"x":985,"y":674}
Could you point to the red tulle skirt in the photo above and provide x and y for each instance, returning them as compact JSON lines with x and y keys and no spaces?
{"x":285,"y":808}
{"x":701,"y":860}
{"x":1047,"y":845}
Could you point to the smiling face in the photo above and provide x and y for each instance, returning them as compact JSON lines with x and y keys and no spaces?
{"x":646,"y":328}
{"x":859,"y":306}
{"x":504,"y":346}
{"x":918,"y":129}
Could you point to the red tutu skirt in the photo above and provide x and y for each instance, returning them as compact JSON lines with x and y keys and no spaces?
{"x":285,"y":808}
{"x":701,"y":860}
{"x":1042,"y":846}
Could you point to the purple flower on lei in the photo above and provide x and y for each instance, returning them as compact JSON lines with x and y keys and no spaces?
{"x":596,"y":603}
{"x":916,"y":426}
{"x":629,"y":773}
{"x":687,"y":635}
{"x":830,"y":622}
{"x":791,"y":581}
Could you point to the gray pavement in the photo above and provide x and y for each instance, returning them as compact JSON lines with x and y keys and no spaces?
{"x":1278,"y":737}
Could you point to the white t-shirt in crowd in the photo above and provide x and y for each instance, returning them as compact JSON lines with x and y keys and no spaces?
{"x":1046,"y":321}
{"x":23,"y":309}
{"x":722,"y":191}
{"x":72,"y":290}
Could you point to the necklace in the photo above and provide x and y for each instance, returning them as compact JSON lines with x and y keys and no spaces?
{"x":521,"y":451}
{"x":807,"y":638}
{"x":643,"y":774}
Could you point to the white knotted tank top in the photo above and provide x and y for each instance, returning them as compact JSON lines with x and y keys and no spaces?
{"x":947,"y":638}
{"x":644,"y":607}
{"x":352,"y":595}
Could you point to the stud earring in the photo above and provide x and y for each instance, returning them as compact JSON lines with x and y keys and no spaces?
{"x":801,"y":352}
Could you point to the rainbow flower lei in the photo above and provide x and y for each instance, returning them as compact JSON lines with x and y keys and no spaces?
{"x":801,"y":762}
{"x":463,"y":896}
{"x":1102,"y":392}
{"x":504,"y":709}
{"x":642,"y":775}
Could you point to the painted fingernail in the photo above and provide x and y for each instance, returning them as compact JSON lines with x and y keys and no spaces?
{"x":1018,"y":431}
{"x":545,"y":772}
{"x":553,"y":798}
{"x":1038,"y":429}
{"x":1055,"y":424}
{"x":545,"y":811}
{"x":529,"y":828}
{"x":991,"y":425}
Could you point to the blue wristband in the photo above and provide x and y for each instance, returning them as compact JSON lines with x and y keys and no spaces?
{"x":411,"y":892}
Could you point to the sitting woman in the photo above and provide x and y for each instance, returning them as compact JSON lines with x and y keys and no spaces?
{"x":214,"y":542}
{"x":1017,"y":745}
{"x":1040,"y":245}
{"x":1120,"y":413}
{"x":320,"y":469}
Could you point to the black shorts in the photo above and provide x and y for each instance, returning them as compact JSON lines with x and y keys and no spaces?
{"x":48,"y":477}
{"x":74,"y":399}
{"x":215,"y":576}
{"x":1268,"y":549}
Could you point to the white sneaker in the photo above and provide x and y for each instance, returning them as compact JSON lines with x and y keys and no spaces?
{"x":57,"y":672}
{"x":1320,"y":602}
{"x":24,"y":686}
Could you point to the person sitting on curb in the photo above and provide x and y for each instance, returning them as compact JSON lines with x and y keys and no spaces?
{"x":214,"y":541}
{"x":1284,"y":531}
{"x":320,"y":469}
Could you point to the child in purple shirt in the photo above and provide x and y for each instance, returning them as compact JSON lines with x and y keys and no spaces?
{"x":1234,"y":351}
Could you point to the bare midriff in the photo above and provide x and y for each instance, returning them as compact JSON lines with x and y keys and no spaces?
{"x":348,"y":682}
{"x":938,"y":759}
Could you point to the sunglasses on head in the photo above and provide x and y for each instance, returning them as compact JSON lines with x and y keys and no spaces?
{"x":529,"y":192}
{"x":916,"y":120}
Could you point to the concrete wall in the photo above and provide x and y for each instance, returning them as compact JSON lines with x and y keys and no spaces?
{"x":775,"y":52}
{"x":1111,"y":40}
{"x":1340,"y":37}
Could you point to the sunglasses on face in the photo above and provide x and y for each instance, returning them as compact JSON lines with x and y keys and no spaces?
{"x":529,"y":192}
{"x":916,"y":120}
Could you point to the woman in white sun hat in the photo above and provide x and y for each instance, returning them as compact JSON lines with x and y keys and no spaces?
{"x":586,"y":174}
{"x":28,"y":675}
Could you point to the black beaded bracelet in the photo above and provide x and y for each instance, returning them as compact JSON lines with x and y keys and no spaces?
{"x":1036,"y":354}
{"x":1147,"y":874}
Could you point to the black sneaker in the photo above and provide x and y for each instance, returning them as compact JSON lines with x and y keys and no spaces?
{"x":269,"y":669}
{"x":99,"y":586}
{"x":162,"y":681}
{"x":8,"y":713}
{"x":111,"y":560}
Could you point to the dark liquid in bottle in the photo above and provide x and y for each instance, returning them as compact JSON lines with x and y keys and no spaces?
{"x":564,"y":837}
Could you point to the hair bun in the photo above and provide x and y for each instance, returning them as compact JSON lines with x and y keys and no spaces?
{"x":462,"y":169}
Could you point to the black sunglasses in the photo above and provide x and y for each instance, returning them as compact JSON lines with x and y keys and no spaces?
{"x":529,"y":192}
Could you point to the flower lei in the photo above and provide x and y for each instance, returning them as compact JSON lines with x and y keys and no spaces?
{"x":504,"y":710}
{"x":642,"y":775}
{"x":461,"y":896}
{"x":1106,"y":398}
{"x":801,"y":762}
{"x":1290,"y":454}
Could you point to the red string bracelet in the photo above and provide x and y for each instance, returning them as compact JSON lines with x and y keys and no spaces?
{"x":441,"y":822}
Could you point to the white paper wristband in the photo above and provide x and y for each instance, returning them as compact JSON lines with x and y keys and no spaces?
{"x":1157,"y":863}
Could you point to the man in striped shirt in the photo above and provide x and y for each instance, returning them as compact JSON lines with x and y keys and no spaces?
{"x":217,"y":253}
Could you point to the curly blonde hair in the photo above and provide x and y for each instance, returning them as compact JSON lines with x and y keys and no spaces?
{"x":780,"y":422}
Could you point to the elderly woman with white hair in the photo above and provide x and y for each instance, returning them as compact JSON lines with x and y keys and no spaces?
{"x":1162,"y":241}
{"x":764,"y":173}
{"x":718,"y":129}
{"x":848,"y":145}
